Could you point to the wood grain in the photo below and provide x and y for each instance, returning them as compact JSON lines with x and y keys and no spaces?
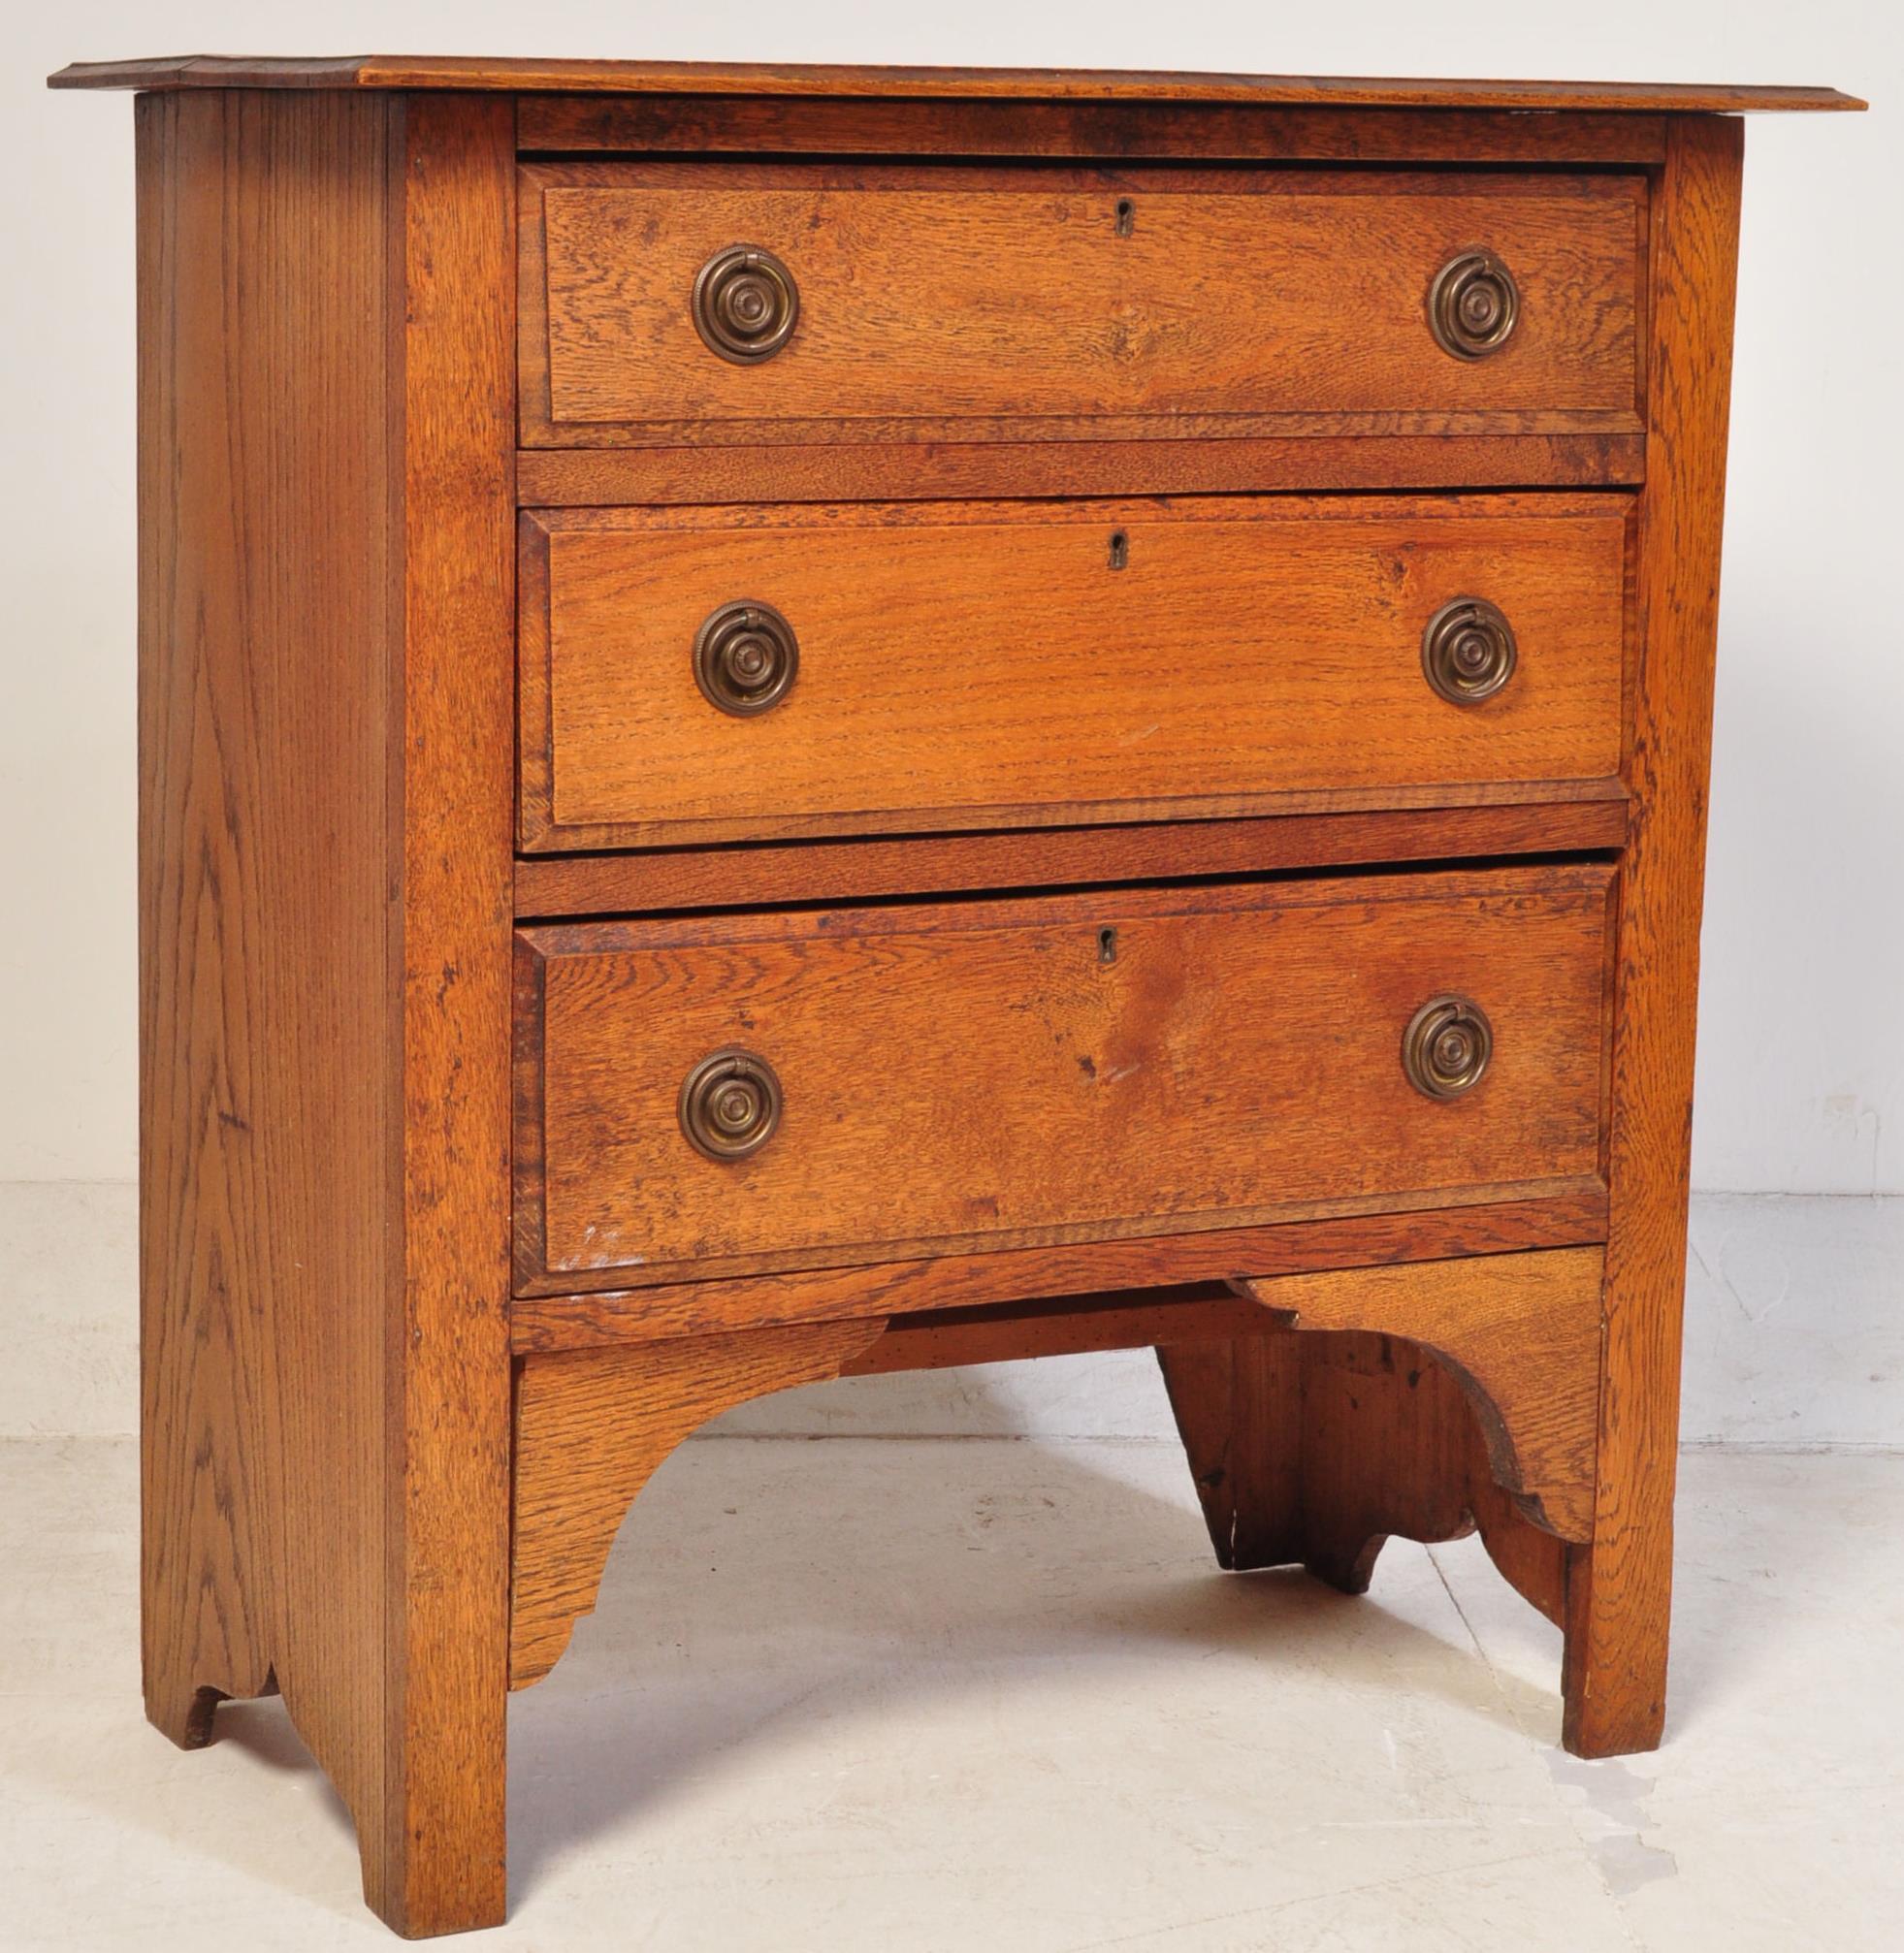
{"x":1116,"y":1319}
{"x":270,"y":1045}
{"x":997,"y":1075}
{"x":1245,"y":652}
{"x":1118,"y":131}
{"x":1619,"y":1594}
{"x":591,"y":1428}
{"x":1038,"y":311}
{"x":444,"y":1846}
{"x":1520,"y":1335}
{"x":1315,"y":1450}
{"x":772,"y":78}
{"x":555,"y":885}
{"x":1502,"y":1222}
{"x":1574,"y":433}
{"x":591,"y":1425}
{"x":917,"y":470}
{"x":324,"y":1267}
{"x":1018,"y":1123}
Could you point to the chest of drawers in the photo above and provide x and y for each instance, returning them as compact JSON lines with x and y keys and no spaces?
{"x":797,"y":723}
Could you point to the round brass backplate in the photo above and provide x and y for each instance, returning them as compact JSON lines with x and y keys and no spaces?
{"x":730,"y":1105}
{"x":746,"y":657}
{"x":746,"y":303}
{"x":1468,"y":650}
{"x":1473,"y":305}
{"x":1446,"y":1046}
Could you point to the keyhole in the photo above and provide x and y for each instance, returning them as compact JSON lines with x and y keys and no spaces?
{"x":1121,"y":549}
{"x":1126,"y":216}
{"x":1107,"y":945}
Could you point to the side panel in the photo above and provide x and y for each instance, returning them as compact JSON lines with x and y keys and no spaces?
{"x":270,"y":1047}
{"x":325,"y":800}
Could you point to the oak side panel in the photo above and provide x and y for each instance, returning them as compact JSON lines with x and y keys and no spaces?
{"x":1619,"y":1594}
{"x":445,"y":1865}
{"x":270,"y":1041}
{"x":325,"y":402}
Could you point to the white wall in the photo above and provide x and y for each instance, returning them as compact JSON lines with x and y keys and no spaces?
{"x":1801,"y":1067}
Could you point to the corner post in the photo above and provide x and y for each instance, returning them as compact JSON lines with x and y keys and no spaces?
{"x":1619,"y":1588}
{"x":438,"y":1861}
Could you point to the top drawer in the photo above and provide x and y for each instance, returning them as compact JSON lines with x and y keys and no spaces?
{"x":1045,"y":304}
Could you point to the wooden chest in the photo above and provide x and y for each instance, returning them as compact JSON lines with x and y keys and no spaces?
{"x":805,"y":721}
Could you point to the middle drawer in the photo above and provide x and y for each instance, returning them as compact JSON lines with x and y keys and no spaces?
{"x":725,"y":674}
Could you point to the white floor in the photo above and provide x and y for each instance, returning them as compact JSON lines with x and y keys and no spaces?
{"x":898,"y":1694}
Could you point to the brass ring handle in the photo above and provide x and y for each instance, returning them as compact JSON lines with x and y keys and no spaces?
{"x":746,"y":657}
{"x":746,"y":303}
{"x":1446,"y":1046}
{"x":730,"y":1104}
{"x":1468,"y":650}
{"x":1473,"y":305}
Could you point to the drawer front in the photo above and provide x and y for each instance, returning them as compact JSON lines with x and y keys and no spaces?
{"x":1037,"y":303}
{"x":1009,"y":1074}
{"x":998,"y":665}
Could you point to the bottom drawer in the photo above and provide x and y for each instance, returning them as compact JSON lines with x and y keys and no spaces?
{"x":740,"y":1094}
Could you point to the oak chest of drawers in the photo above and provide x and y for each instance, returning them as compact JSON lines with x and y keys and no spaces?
{"x":804,"y":721}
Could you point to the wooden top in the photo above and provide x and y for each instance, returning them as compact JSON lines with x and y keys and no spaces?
{"x":1076,"y":85}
